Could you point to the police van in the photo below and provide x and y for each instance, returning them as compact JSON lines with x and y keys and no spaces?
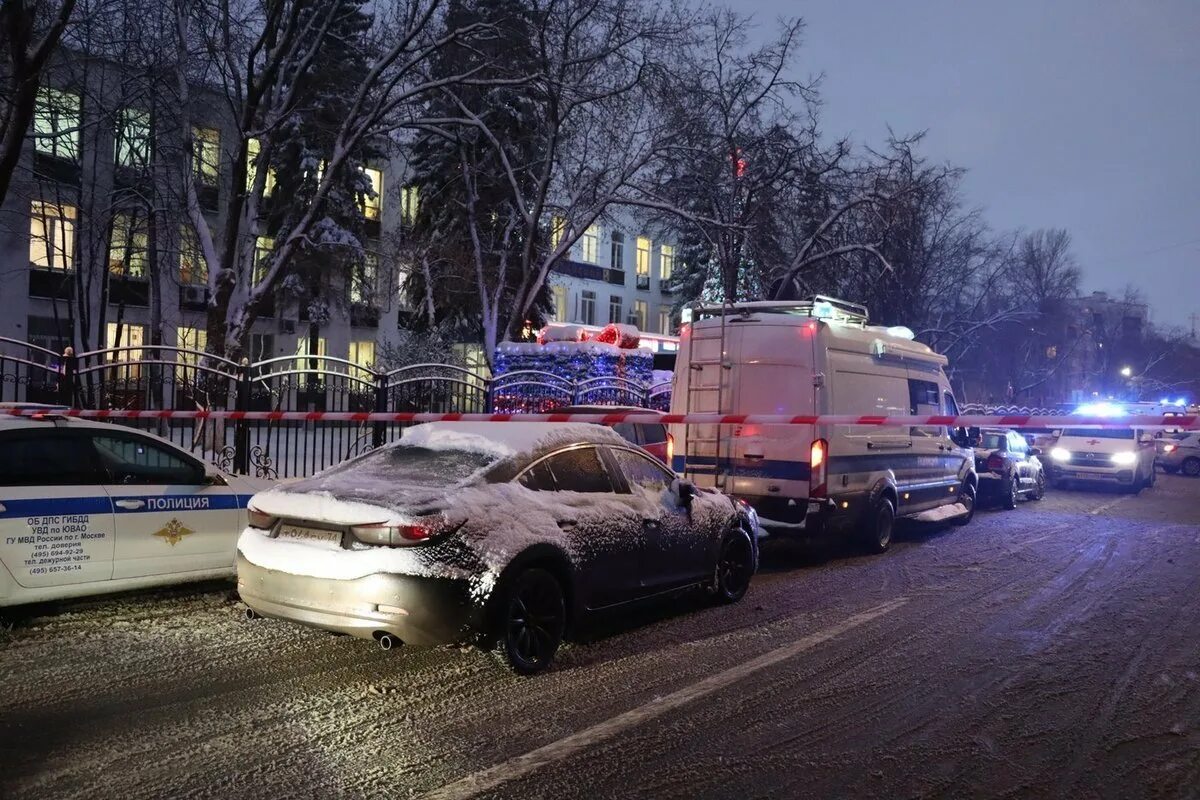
{"x":816,"y":357}
{"x":89,"y":507}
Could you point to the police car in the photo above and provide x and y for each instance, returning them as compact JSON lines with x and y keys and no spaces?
{"x":90,"y":507}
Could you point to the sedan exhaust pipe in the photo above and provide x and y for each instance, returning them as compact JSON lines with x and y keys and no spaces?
{"x":387,"y":641}
{"x":251,"y":614}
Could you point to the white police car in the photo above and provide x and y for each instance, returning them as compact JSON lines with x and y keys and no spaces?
{"x":89,"y":507}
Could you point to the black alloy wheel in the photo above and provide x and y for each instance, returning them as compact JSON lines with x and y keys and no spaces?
{"x":966,"y":496}
{"x":1191,"y":467}
{"x":735,"y":567}
{"x":533,"y":621}
{"x":879,"y":525}
{"x":1012,"y":492}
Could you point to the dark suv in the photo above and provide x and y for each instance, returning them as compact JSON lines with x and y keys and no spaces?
{"x":1008,"y":467}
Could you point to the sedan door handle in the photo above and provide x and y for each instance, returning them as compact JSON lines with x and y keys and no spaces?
{"x":131,"y":503}
{"x":567,"y":523}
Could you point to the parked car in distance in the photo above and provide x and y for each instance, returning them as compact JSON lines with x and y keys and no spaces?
{"x":1008,"y":467}
{"x":90,"y":508}
{"x":651,"y":437}
{"x":1180,"y":452}
{"x":1122,"y":456}
{"x":504,"y":534}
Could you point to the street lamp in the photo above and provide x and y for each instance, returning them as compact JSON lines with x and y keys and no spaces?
{"x":1127,"y":372}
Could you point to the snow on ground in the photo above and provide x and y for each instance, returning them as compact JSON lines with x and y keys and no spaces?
{"x":1048,"y":651}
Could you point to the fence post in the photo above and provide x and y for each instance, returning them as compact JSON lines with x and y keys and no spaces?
{"x":241,"y":435}
{"x":67,"y":377}
{"x":379,"y":432}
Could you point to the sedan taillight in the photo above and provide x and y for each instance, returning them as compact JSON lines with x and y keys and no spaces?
{"x":398,"y":534}
{"x":259,"y":519}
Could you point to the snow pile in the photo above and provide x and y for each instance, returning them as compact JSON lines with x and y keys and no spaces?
{"x":505,"y":439}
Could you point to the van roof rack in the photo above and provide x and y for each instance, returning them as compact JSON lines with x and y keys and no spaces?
{"x":819,"y":306}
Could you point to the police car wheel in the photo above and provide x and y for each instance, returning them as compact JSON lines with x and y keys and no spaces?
{"x":878,"y":526}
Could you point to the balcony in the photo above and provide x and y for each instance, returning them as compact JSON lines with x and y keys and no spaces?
{"x":364,"y":315}
{"x":578,"y":269}
{"x":56,"y":169}
{"x":615,"y":276}
{"x":643,"y":282}
{"x":209,"y":197}
{"x":51,"y":283}
{"x":128,"y":291}
{"x":666,"y":286}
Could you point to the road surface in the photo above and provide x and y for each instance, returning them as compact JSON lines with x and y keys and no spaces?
{"x":1050,"y":651}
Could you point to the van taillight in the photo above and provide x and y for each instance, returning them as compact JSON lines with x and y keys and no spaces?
{"x":671,"y":451}
{"x":818,"y":468}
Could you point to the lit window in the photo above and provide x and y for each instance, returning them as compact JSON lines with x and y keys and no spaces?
{"x":56,"y":123}
{"x":132,"y":138}
{"x":587,"y":307}
{"x":253,"y":148}
{"x":191,"y":339}
{"x":363,"y":280}
{"x":128,"y":248}
{"x":643,"y":257}
{"x":558,"y":226}
{"x":614,"y":308}
{"x":560,"y":303}
{"x":363,"y":354}
{"x":664,"y":321}
{"x":125,"y":336}
{"x":52,"y":236}
{"x":303,"y":349}
{"x":591,"y":245}
{"x":206,"y":155}
{"x":372,"y":207}
{"x":264,"y":246}
{"x":193,"y":270}
{"x":617,"y":254}
{"x":666,"y":262}
{"x":639,"y":314}
{"x":410,"y":200}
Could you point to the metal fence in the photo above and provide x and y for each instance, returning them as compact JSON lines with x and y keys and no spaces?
{"x":151,"y":377}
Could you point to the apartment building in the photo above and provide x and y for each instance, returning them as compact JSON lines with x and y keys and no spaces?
{"x":618,"y":273}
{"x":84,"y":263}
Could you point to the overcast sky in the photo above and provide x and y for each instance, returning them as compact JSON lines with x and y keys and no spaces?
{"x":1080,"y":114}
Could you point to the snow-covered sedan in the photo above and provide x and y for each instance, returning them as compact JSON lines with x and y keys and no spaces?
{"x":500,"y":533}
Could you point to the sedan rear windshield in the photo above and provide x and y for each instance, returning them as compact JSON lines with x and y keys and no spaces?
{"x":1100,"y":433}
{"x":412,"y":466}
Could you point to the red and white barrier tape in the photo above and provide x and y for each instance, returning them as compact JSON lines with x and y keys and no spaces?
{"x":1185,"y":422}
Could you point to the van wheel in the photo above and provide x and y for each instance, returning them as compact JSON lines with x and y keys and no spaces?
{"x":966,"y":496}
{"x":878,"y":526}
{"x":1012,"y":491}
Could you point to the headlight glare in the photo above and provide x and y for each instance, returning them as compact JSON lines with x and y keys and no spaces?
{"x":1124,"y":459}
{"x":1060,"y":454}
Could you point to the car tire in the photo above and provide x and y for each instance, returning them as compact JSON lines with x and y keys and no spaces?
{"x":1191,"y":467}
{"x":1151,"y":478}
{"x":532,"y":621}
{"x":1039,"y":490}
{"x":878,"y":526}
{"x":1012,"y":492}
{"x":1135,"y":487}
{"x":967,"y":496}
{"x":734,"y":568}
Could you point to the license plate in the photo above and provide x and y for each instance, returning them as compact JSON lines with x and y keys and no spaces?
{"x":303,"y":534}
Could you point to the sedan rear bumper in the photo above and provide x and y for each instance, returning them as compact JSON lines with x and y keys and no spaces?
{"x":417,"y":610}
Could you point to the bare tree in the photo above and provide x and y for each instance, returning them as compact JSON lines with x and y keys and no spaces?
{"x":30,"y":31}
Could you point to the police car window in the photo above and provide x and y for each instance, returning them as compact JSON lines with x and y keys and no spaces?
{"x":626,"y":431}
{"x":133,"y":460}
{"x":924,"y":400}
{"x":48,"y":459}
{"x":642,"y":471}
{"x":579,"y":470}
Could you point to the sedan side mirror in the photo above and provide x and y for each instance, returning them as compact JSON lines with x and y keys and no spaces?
{"x":684,"y":491}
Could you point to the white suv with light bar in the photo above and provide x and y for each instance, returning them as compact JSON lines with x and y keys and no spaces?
{"x":1119,"y":456}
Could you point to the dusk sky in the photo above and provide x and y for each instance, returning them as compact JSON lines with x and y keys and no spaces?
{"x":1079,"y":114}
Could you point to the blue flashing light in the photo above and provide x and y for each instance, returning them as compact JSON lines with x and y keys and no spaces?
{"x":1100,"y":410}
{"x":823,"y":310}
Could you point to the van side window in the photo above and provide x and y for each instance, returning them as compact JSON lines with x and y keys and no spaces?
{"x":924,"y":399}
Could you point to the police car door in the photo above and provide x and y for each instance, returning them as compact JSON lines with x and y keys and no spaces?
{"x":56,"y":520}
{"x":170,"y":517}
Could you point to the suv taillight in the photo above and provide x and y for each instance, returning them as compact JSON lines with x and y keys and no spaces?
{"x":995,"y":462}
{"x":670,"y":451}
{"x":818,"y":464}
